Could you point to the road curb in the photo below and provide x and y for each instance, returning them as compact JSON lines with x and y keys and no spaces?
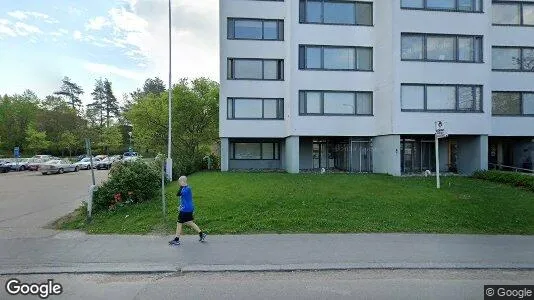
{"x":350,"y":266}
{"x":111,"y":269}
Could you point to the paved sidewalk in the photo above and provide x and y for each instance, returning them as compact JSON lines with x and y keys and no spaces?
{"x":76,"y":252}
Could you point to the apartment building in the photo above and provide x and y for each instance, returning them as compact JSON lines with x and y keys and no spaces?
{"x":357,"y":86}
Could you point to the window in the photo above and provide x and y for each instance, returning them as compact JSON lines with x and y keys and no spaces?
{"x":446,"y":5}
{"x":335,"y":103}
{"x":255,"y":108}
{"x":439,"y":47}
{"x":518,"y":59}
{"x":335,"y":58}
{"x":336,"y":12}
{"x":255,"y":69}
{"x":513,"y":13}
{"x":513,"y":103}
{"x":255,"y":151}
{"x":255,"y":29}
{"x":434,"y":97}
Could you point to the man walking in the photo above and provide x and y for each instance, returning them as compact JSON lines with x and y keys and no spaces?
{"x":185,"y":215}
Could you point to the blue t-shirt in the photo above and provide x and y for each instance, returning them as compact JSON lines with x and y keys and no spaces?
{"x":186,"y":199}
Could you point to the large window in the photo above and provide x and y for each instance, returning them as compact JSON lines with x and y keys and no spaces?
{"x":341,"y":12}
{"x":513,"y":13}
{"x":335,"y":58}
{"x":335,"y":103}
{"x":513,"y":103}
{"x":255,"y":69}
{"x":519,"y":59}
{"x":446,"y":5}
{"x":437,"y":47}
{"x":255,"y":29}
{"x":447,"y":98}
{"x":255,"y":151}
{"x":255,"y":108}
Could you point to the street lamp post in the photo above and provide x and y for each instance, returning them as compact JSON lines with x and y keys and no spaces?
{"x":169,"y":159}
{"x":130,"y":148}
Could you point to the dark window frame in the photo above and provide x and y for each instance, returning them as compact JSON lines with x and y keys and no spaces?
{"x":456,"y":9}
{"x":521,"y":104}
{"x":457,"y":100}
{"x":521,"y":67}
{"x":456,"y":37}
{"x":322,"y":113}
{"x":231,"y":68}
{"x":303,"y":4}
{"x":279,"y":108}
{"x":303,"y":59}
{"x":521,"y":15}
{"x":230,"y":23}
{"x":276,"y":150}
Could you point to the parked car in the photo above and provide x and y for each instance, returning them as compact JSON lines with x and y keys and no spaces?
{"x":57,"y":167}
{"x":34,"y":163}
{"x":43,"y":157}
{"x":4,"y":168}
{"x":107,"y":162}
{"x":85,"y":163}
{"x":20,"y":164}
{"x":128,"y":156}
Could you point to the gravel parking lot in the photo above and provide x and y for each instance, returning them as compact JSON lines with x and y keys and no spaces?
{"x":29,"y":200}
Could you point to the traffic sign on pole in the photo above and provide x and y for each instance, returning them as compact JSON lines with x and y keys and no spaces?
{"x":16,"y":152}
{"x":440,"y":133}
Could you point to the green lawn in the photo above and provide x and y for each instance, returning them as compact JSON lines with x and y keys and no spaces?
{"x":239,"y":203}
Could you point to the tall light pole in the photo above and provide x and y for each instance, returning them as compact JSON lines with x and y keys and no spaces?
{"x":169,"y":159}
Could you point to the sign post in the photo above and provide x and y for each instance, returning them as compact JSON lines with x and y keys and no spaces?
{"x":92,"y":188}
{"x":440,"y":133}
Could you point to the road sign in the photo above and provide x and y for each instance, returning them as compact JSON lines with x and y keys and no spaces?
{"x":16,"y":152}
{"x":440,"y":130}
{"x":130,"y":149}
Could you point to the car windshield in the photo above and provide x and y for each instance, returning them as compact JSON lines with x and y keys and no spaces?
{"x":53,"y":162}
{"x":87,"y":159}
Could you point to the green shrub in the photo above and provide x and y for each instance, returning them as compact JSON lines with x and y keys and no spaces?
{"x":513,"y":179}
{"x":129,"y":182}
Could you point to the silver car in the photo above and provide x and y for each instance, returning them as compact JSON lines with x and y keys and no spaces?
{"x":57,"y":167}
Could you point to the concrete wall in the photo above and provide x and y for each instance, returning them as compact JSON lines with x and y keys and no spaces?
{"x":225,"y":154}
{"x":472,"y":154}
{"x":255,"y":164}
{"x":292,"y":154}
{"x":386,"y":154}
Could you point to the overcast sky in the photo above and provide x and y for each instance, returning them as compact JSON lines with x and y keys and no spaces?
{"x":124,"y":40}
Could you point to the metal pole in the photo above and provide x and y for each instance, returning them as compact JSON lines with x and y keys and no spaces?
{"x":169,"y":159}
{"x":163,"y":191}
{"x":437,"y":161}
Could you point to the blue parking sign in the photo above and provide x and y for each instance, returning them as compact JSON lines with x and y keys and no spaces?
{"x":17,"y":152}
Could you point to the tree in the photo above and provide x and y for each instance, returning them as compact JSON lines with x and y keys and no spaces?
{"x":68,"y":141}
{"x":195,"y":123}
{"x":16,"y":113}
{"x":36,"y":140}
{"x":111,"y":139}
{"x":71,"y":91}
{"x":57,"y":117}
{"x":99,"y":97}
{"x":152,"y":86}
{"x":110,"y":105}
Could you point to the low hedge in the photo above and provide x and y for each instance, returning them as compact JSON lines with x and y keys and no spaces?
{"x":513,"y":179}
{"x":129,"y":182}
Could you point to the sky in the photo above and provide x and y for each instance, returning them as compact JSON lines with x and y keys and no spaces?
{"x":126,"y":41}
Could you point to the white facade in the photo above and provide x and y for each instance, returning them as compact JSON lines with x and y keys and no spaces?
{"x":389,"y":72}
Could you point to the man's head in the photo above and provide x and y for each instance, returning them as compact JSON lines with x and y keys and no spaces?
{"x":182,"y":180}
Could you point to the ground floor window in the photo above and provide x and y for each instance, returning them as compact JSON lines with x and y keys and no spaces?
{"x":255,"y":151}
{"x":417,"y":155}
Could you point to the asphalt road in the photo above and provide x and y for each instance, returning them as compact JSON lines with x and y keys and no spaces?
{"x":29,"y":200}
{"x":362,"y":284}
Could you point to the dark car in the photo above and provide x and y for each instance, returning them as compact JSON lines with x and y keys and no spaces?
{"x":4,"y":168}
